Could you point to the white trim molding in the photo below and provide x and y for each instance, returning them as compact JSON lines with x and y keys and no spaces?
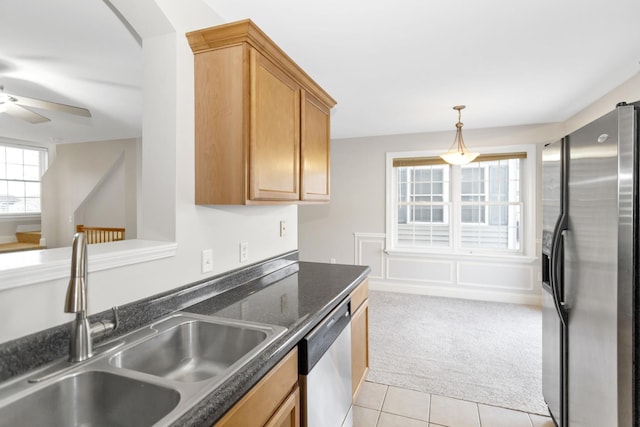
{"x":20,"y":217}
{"x":28,"y":267}
{"x":362,"y":240}
{"x":510,"y":279}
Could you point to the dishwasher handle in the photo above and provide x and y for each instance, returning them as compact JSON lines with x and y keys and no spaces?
{"x":313,"y":346}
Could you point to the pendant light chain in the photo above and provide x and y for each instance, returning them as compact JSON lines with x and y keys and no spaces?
{"x":458,"y":154}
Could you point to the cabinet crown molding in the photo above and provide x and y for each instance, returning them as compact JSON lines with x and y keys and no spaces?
{"x":247,"y":32}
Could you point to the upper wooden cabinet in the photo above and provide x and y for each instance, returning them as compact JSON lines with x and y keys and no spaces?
{"x":314,"y":182}
{"x":262,"y":124}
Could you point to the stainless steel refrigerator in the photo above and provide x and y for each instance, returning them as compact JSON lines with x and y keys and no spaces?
{"x":589,"y":273}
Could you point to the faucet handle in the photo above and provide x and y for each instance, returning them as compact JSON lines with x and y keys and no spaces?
{"x":103,"y":327}
{"x":116,"y":319}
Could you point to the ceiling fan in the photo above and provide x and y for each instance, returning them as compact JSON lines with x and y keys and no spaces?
{"x":15,"y":106}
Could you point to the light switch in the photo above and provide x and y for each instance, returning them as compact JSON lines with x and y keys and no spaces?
{"x":207,"y":260}
{"x":244,"y":251}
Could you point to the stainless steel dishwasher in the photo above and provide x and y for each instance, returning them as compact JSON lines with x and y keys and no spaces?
{"x":325,"y":371}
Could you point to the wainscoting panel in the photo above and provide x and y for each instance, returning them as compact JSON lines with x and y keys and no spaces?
{"x":493,"y":275}
{"x":488,"y":278}
{"x":369,"y":251}
{"x":419,"y":269}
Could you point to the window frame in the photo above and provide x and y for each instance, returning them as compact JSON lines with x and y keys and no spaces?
{"x":445,"y":204}
{"x":43,"y":154}
{"x":485,"y":194}
{"x":527,"y":202}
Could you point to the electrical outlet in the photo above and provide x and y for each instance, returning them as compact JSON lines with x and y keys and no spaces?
{"x":333,"y":261}
{"x":283,"y":228}
{"x":244,"y":251}
{"x":207,"y":260}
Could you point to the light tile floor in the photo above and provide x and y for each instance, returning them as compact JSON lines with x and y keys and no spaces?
{"x":379,"y":405}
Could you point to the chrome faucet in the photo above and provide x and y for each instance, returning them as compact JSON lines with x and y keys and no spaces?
{"x":82,"y":332}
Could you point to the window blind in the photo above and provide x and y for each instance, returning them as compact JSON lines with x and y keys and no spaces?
{"x":430,"y":161}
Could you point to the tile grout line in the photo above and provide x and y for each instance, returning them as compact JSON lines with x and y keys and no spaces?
{"x":407,"y":417}
{"x":463,"y":399}
{"x":430,"y":408}
{"x":386,"y":390}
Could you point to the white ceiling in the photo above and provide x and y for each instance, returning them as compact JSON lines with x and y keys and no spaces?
{"x":400,"y":66}
{"x":73,"y":52}
{"x":394,"y":67}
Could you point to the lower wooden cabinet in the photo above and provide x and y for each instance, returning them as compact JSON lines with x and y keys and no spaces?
{"x":273,"y":402}
{"x":289,"y":413}
{"x":359,"y":337}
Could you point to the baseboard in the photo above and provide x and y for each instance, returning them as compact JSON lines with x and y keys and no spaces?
{"x":439,"y":291}
{"x":8,"y":239}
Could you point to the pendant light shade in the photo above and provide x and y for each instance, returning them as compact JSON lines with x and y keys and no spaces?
{"x":458,"y":154}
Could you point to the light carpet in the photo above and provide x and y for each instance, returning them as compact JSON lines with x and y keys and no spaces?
{"x":484,"y":352}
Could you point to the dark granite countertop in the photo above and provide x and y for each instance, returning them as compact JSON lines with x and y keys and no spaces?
{"x":296,"y":297}
{"x":278,"y":291}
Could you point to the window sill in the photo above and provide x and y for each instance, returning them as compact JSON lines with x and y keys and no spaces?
{"x":502,"y":258}
{"x":18,"y":217}
{"x":28,"y":267}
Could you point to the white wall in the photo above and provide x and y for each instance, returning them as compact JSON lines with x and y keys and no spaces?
{"x":628,"y":91}
{"x":358,"y":191}
{"x":351,"y":229}
{"x":106,"y":205}
{"x":167,"y":211}
{"x":72,"y":177}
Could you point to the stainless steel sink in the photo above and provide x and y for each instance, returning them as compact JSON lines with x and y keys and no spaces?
{"x":150,"y":376}
{"x":192,"y":351}
{"x":92,"y":398}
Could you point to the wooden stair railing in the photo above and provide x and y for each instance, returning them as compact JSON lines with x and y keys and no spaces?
{"x":101,"y":234}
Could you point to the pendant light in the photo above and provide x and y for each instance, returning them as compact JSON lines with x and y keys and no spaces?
{"x":458,"y":154}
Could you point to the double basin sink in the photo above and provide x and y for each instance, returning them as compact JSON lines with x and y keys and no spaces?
{"x":148,"y":377}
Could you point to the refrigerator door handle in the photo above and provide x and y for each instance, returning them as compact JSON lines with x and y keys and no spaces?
{"x":557,"y":252}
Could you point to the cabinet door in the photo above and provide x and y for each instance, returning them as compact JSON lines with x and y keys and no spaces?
{"x":314,"y":180}
{"x":258,"y":407}
{"x":359,"y":294}
{"x":274,"y":156}
{"x":288,"y":415}
{"x":220,"y":126}
{"x":359,"y":346}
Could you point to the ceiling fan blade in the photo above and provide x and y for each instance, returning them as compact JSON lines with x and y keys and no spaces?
{"x":19,"y":112}
{"x":48,"y":105}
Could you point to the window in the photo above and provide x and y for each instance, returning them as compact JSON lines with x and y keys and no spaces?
{"x":423,"y":206}
{"x":20,"y":172}
{"x":471,"y":208}
{"x":490,"y":207}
